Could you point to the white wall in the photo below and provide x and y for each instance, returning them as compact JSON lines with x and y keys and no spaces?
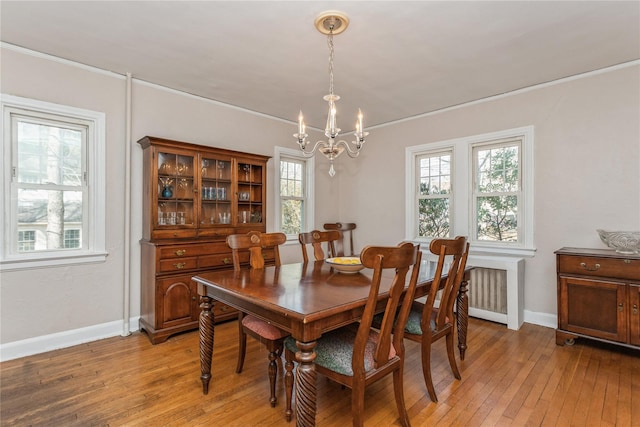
{"x":587,"y":177}
{"x":587,"y":167}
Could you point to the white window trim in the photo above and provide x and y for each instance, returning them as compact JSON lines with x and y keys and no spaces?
{"x":462,"y":164}
{"x":96,"y":167}
{"x":280,"y":152}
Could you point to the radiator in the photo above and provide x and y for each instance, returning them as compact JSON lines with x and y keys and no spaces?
{"x":488,"y":290}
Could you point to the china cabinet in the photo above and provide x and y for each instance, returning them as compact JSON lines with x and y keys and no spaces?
{"x":598,"y":296}
{"x":194,"y":197}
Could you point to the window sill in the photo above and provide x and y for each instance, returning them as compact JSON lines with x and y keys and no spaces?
{"x":49,"y":260}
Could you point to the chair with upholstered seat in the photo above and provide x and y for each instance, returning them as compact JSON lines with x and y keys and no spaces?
{"x":316,"y":239}
{"x":343,"y":227}
{"x":267,"y":334}
{"x":426,"y":323}
{"x":357,"y":355}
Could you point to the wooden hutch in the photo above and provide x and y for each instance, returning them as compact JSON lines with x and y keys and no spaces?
{"x":194,"y":197}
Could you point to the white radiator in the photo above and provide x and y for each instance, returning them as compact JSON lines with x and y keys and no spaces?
{"x":489,"y":290}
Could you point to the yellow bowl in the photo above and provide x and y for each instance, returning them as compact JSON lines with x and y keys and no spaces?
{"x":345,"y":264}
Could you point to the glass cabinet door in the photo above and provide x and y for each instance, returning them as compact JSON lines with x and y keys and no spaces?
{"x":216,"y":192}
{"x":175,"y":190}
{"x":250,"y":193}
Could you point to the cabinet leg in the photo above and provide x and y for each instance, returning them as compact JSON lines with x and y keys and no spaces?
{"x":565,"y":338}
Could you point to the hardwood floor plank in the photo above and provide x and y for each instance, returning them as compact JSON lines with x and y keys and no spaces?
{"x":509,"y":378}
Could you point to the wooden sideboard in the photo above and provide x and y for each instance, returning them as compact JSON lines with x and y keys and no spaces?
{"x":598,"y":296}
{"x":194,"y":197}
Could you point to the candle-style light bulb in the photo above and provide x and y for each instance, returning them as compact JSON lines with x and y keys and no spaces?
{"x":361,"y":129}
{"x":300,"y":124}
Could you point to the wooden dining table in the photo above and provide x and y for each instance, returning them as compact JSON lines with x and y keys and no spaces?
{"x":307,"y":300}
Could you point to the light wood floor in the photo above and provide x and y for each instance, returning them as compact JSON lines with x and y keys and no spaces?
{"x":508,"y":378}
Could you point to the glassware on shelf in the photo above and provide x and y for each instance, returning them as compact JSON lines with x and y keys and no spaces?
{"x":224,"y":217}
{"x":247,"y":172}
{"x":220,"y":170}
{"x":205,"y":167}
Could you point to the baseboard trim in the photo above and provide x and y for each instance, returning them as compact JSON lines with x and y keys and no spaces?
{"x":44,"y":343}
{"x":541,"y":319}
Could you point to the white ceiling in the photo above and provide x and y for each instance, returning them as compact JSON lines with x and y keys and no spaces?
{"x":397,"y":59}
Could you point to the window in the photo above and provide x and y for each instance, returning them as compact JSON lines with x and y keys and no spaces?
{"x":72,"y":238}
{"x":53,"y":183}
{"x":26,"y":240}
{"x":479,"y":186}
{"x":434,"y":194}
{"x":496,"y":192}
{"x":294,"y":209}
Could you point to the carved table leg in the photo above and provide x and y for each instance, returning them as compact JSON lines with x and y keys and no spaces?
{"x":206,"y":341}
{"x":462,"y":309}
{"x":306,"y":385}
{"x":288,"y":382}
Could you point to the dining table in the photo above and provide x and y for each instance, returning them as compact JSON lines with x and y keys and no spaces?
{"x":307,"y":300}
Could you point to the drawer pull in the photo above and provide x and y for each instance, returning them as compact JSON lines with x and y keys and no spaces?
{"x":226,"y":260}
{"x":620,"y":307}
{"x":224,"y":308}
{"x":181,"y":252}
{"x":635,"y":309}
{"x":594,"y":268}
{"x":627,"y":261}
{"x":179,"y":265}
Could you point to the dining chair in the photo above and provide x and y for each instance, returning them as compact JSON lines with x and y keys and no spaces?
{"x":343,"y":227}
{"x":316,"y":238}
{"x":426,"y":323}
{"x":264,"y":332}
{"x":357,"y":355}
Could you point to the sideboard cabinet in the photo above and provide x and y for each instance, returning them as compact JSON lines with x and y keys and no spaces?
{"x":598,"y":296}
{"x":194,"y":197}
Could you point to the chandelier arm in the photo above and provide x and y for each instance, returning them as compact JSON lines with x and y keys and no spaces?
{"x":351,"y":153}
{"x":310,"y":153}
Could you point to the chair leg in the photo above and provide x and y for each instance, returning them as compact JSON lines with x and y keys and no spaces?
{"x":452,"y":356}
{"x":288,"y":383}
{"x":242,"y":344}
{"x":426,"y":368}
{"x":398,"y":389}
{"x":357,"y":404}
{"x":273,"y":373}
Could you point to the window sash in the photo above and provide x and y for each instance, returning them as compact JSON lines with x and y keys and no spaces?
{"x":88,"y":180}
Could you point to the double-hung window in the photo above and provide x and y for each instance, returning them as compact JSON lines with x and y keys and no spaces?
{"x":53,"y":181}
{"x":480,"y":186}
{"x":294,"y":209}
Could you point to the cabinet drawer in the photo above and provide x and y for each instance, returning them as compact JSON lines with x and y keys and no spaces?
{"x":222,"y":310}
{"x":174,"y":234}
{"x":602,"y":267}
{"x":219,"y":260}
{"x":194,"y":249}
{"x":178,"y":264}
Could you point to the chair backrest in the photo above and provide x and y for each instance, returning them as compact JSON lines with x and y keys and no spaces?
{"x":343,"y":227}
{"x":400,"y":258}
{"x":255,"y":242}
{"x":316,"y":238}
{"x":452,"y":254}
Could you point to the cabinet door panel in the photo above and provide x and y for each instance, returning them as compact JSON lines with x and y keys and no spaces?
{"x":634,"y":314}
{"x":595,"y":308}
{"x":176,"y":298}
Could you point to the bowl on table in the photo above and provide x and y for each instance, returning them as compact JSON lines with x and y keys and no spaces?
{"x":345,"y":264}
{"x":624,"y":242}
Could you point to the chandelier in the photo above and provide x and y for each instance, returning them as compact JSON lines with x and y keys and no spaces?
{"x":331,"y":23}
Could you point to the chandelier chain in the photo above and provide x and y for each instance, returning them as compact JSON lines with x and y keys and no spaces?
{"x":330,"y":44}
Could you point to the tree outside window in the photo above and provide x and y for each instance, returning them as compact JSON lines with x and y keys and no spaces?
{"x":292,"y":197}
{"x":497,"y":191}
{"x":434,"y":195}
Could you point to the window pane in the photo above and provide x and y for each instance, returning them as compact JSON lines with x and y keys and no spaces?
{"x":49,"y":154}
{"x":291,"y":174}
{"x":435,"y":174}
{"x":291,"y":220}
{"x":497,"y":218}
{"x":26,"y":240}
{"x":498,"y":169}
{"x":50,"y":212}
{"x":433,"y":218}
{"x":72,"y":238}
